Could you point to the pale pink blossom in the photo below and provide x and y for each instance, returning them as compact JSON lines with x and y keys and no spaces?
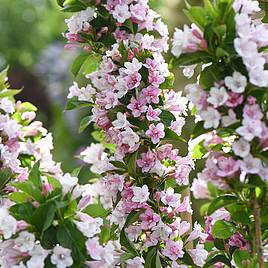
{"x":156,"y":132}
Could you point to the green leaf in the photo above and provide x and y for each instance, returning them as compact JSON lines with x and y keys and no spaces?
{"x":60,"y":2}
{"x":29,"y":188}
{"x":221,"y":201}
{"x":86,"y":63}
{"x":35,"y":176}
{"x":119,"y":165}
{"x":222,"y":229}
{"x":199,"y":150}
{"x":19,"y":197}
{"x":43,"y":216}
{"x":9,"y":92}
{"x":150,"y":256}
{"x":5,"y":177}
{"x":125,"y":242}
{"x":84,"y":123}
{"x":209,"y":76}
{"x":240,"y":257}
{"x":197,"y":15}
{"x":74,"y":103}
{"x":241,"y":216}
{"x":22,"y":211}
{"x":73,"y":6}
{"x":96,"y":210}
{"x":28,"y":107}
{"x":190,"y":59}
{"x":3,"y":77}
{"x":216,"y":259}
{"x":71,"y":210}
{"x":70,"y":237}
{"x":167,"y":117}
{"x":168,"y":83}
{"x":132,"y":164}
{"x":124,"y":257}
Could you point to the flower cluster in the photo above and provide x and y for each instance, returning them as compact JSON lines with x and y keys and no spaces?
{"x":230,"y":106}
{"x":141,"y":175}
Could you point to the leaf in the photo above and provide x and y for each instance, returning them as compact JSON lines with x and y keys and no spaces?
{"x":132,"y":164}
{"x":74,"y":103}
{"x":5,"y":177}
{"x":84,"y":123}
{"x":221,"y":201}
{"x":28,"y":107}
{"x":167,"y":117}
{"x":209,"y":76}
{"x":35,"y":176}
{"x":199,"y":130}
{"x":9,"y":92}
{"x":199,"y":150}
{"x":240,"y":257}
{"x":119,"y":165}
{"x":96,"y":210}
{"x":216,"y":259}
{"x":29,"y":188}
{"x":222,"y":229}
{"x":190,"y":59}
{"x":77,"y":64}
{"x":90,"y":64}
{"x":22,"y":211}
{"x":197,"y":15}
{"x":60,"y":2}
{"x":124,"y":242}
{"x":43,"y":216}
{"x":149,"y":257}
{"x":19,"y":197}
{"x":73,"y":6}
{"x":70,"y":237}
{"x":168,"y":83}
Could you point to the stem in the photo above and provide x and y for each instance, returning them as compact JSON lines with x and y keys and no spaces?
{"x":185,"y":216}
{"x":258,"y":238}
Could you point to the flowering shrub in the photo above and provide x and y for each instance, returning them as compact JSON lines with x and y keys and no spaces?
{"x":230,"y":102}
{"x":141,"y":175}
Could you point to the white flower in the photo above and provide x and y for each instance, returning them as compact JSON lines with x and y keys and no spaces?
{"x":121,"y":13}
{"x":67,"y":182}
{"x":200,"y":189}
{"x":90,"y":227}
{"x":132,"y":67}
{"x":229,"y":119}
{"x":250,"y":129}
{"x":241,"y":147}
{"x":61,"y":257}
{"x":38,"y":255}
{"x":25,"y":241}
{"x":218,"y":96}
{"x":136,"y":262}
{"x":168,"y":197}
{"x":7,"y":105}
{"x":236,"y":83}
{"x":211,"y":117}
{"x":130,"y":137}
{"x":121,"y":121}
{"x":141,"y":195}
{"x":79,"y":21}
{"x":8,"y":224}
{"x":199,"y":255}
{"x":250,"y":164}
{"x":93,"y":153}
{"x":83,"y":94}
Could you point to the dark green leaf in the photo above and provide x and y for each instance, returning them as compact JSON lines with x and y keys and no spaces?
{"x":70,"y":237}
{"x":240,"y":257}
{"x":222,"y":229}
{"x":35,"y":176}
{"x":44,"y":216}
{"x":5,"y":177}
{"x":209,"y":76}
{"x":84,"y":123}
{"x":197,"y":15}
{"x":132,"y":164}
{"x":190,"y":59}
{"x":125,"y":242}
{"x":167,"y":117}
{"x":22,"y":211}
{"x":216,"y":259}
{"x":221,"y":201}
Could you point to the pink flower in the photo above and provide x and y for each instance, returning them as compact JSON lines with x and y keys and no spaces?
{"x":152,"y":114}
{"x":237,"y":240}
{"x":234,"y":99}
{"x":200,"y":189}
{"x":94,"y":249}
{"x":149,"y":219}
{"x":156,"y":132}
{"x":140,"y":194}
{"x":133,"y":80}
{"x":151,"y":94}
{"x":147,"y":161}
{"x":173,"y":249}
{"x":169,"y":198}
{"x":199,"y":255}
{"x":137,"y":106}
{"x":227,"y":166}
